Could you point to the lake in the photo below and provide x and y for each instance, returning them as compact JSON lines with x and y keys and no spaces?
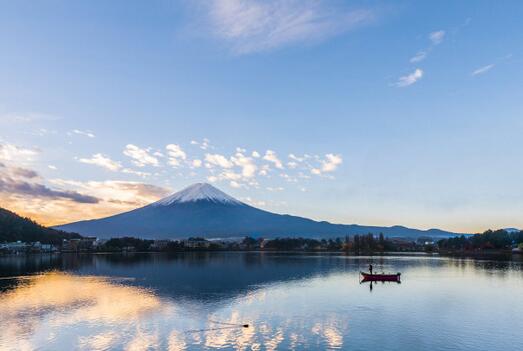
{"x":194,"y":301}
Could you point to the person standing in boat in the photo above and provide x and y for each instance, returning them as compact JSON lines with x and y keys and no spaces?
{"x":370,"y":268}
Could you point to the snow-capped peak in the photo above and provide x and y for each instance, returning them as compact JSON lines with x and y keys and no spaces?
{"x":198,"y":192}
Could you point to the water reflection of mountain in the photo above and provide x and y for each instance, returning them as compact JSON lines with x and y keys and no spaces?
{"x":209,"y":277}
{"x":194,"y":276}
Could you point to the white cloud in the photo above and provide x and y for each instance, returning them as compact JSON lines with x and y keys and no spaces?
{"x":327,"y":165}
{"x":420,"y":56}
{"x":253,"y":202}
{"x":298,"y":159}
{"x":218,"y":160}
{"x":175,"y":153}
{"x":483,"y":69}
{"x":102,"y":161}
{"x":86,"y":133}
{"x":52,"y":167}
{"x":141,"y":157}
{"x":29,"y":117}
{"x":234,"y":184}
{"x":255,"y":154}
{"x":246,"y":163}
{"x":271,"y":156}
{"x":204,"y":144}
{"x":265,"y":169}
{"x":410,"y":79}
{"x":256,"y":25}
{"x":196,"y":163}
{"x":289,"y":178}
{"x":135,"y":172}
{"x":230,"y":175}
{"x":244,"y":178}
{"x":303,"y":176}
{"x":331,"y":162}
{"x":11,"y":152}
{"x":212,"y":179}
{"x":437,"y":37}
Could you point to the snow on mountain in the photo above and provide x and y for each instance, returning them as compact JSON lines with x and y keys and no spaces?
{"x":198,"y":192}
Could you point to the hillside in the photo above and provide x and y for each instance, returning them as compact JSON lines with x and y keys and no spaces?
{"x":14,"y":227}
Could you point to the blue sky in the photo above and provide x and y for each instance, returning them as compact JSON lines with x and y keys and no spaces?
{"x":395,"y":113}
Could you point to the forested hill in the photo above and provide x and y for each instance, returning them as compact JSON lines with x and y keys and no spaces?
{"x":14,"y":227}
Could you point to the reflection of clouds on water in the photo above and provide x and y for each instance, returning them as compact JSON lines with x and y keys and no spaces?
{"x":63,"y":311}
{"x":177,"y":341}
{"x":46,"y":303}
{"x":272,"y":343}
{"x":143,"y":341}
{"x":102,"y":341}
{"x":229,"y":335}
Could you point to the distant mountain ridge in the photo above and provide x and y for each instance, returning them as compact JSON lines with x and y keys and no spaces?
{"x":203,"y":210}
{"x":16,"y":228}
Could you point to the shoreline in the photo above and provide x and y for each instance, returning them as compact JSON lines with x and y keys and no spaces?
{"x":451,"y":254}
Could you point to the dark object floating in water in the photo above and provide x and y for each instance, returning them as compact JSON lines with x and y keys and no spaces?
{"x":367,"y":277}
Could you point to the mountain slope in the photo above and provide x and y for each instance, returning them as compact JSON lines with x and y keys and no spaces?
{"x":14,"y":227}
{"x":203,"y":210}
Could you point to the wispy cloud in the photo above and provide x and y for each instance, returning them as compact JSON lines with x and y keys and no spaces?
{"x":85,"y":133}
{"x":409,"y":79}
{"x":29,"y":117}
{"x":420,"y":56}
{"x":437,"y":37}
{"x":114,"y":196}
{"x":256,"y":25}
{"x":102,"y":161}
{"x":39,"y":190}
{"x":483,"y":69}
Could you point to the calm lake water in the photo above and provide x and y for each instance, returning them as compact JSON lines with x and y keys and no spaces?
{"x":291,"y":302}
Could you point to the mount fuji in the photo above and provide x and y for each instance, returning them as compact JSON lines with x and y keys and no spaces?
{"x":203,"y":210}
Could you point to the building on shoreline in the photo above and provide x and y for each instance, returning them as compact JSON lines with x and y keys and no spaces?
{"x":19,"y":247}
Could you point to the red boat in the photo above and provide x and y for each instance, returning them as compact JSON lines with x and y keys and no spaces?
{"x":367,"y":277}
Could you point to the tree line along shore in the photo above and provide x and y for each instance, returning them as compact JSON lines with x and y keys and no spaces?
{"x":494,"y":242}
